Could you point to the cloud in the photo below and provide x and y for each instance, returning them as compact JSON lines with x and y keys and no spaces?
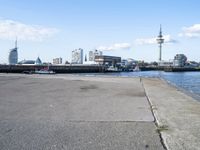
{"x":169,"y":39}
{"x":115,"y":46}
{"x":10,"y":29}
{"x":144,"y":41}
{"x":191,"y":32}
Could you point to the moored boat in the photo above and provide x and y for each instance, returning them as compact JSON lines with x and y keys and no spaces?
{"x":44,"y":72}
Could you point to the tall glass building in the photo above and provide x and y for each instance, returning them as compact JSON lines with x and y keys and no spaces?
{"x":13,"y":55}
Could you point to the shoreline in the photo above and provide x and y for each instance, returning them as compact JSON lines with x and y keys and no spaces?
{"x":185,"y":91}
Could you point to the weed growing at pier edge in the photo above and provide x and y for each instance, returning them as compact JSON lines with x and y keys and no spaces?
{"x":162,"y":128}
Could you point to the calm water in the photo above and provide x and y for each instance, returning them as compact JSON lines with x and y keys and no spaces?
{"x":190,"y":81}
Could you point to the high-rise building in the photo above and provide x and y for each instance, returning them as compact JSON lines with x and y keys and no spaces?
{"x":77,"y":56}
{"x":91,"y":56}
{"x":94,"y":53}
{"x":57,"y":60}
{"x":13,"y":55}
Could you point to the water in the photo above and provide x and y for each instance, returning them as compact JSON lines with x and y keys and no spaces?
{"x":189,"y":81}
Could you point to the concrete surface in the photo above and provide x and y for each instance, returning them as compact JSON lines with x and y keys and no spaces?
{"x":71,"y":112}
{"x":177,"y":115}
{"x":35,"y":135}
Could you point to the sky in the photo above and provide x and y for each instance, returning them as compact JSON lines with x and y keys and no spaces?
{"x":125,"y":28}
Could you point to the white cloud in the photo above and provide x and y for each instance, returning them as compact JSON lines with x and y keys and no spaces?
{"x":10,"y":29}
{"x":169,"y":39}
{"x":191,"y":32}
{"x":115,"y":47}
{"x":143,"y":41}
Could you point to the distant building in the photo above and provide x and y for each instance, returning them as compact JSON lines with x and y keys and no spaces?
{"x":94,"y":53}
{"x":107,"y":60}
{"x":165,"y":63}
{"x":192,"y":64}
{"x":13,"y":55}
{"x":179,"y":60}
{"x":127,"y":62}
{"x":27,"y":62}
{"x":77,"y":56}
{"x":38,"y":61}
{"x":91,"y":56}
{"x":124,"y":62}
{"x":67,"y":62}
{"x":85,"y":58}
{"x":57,"y":60}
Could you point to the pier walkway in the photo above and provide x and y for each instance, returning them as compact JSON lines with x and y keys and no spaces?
{"x":85,"y":113}
{"x":177,"y":115}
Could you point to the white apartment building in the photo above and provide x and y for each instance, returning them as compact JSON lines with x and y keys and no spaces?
{"x":77,"y":56}
{"x":57,"y":60}
{"x":94,"y":53}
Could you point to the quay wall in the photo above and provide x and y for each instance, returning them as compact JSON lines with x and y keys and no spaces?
{"x":75,"y":68}
{"x":180,"y":69}
{"x":170,"y":69}
{"x":55,"y":68}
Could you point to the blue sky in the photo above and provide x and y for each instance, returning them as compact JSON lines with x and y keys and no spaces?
{"x":126,"y":28}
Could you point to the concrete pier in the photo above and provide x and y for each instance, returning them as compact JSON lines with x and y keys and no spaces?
{"x":74,"y":112}
{"x":177,"y":115}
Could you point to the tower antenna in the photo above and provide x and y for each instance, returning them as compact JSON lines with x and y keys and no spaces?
{"x":160,"y":41}
{"x":16,"y":43}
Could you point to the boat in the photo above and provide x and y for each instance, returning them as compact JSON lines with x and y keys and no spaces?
{"x":113,"y":69}
{"x":44,"y":71}
{"x":136,"y":69}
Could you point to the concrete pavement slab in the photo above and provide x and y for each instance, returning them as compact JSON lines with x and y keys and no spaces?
{"x":74,"y":99}
{"x":67,"y":113}
{"x":45,"y":135}
{"x":177,"y":115}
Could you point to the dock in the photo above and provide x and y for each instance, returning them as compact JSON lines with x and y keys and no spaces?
{"x":89,"y":112}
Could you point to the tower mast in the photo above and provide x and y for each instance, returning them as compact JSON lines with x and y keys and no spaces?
{"x":160,"y":41}
{"x":16,"y":43}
